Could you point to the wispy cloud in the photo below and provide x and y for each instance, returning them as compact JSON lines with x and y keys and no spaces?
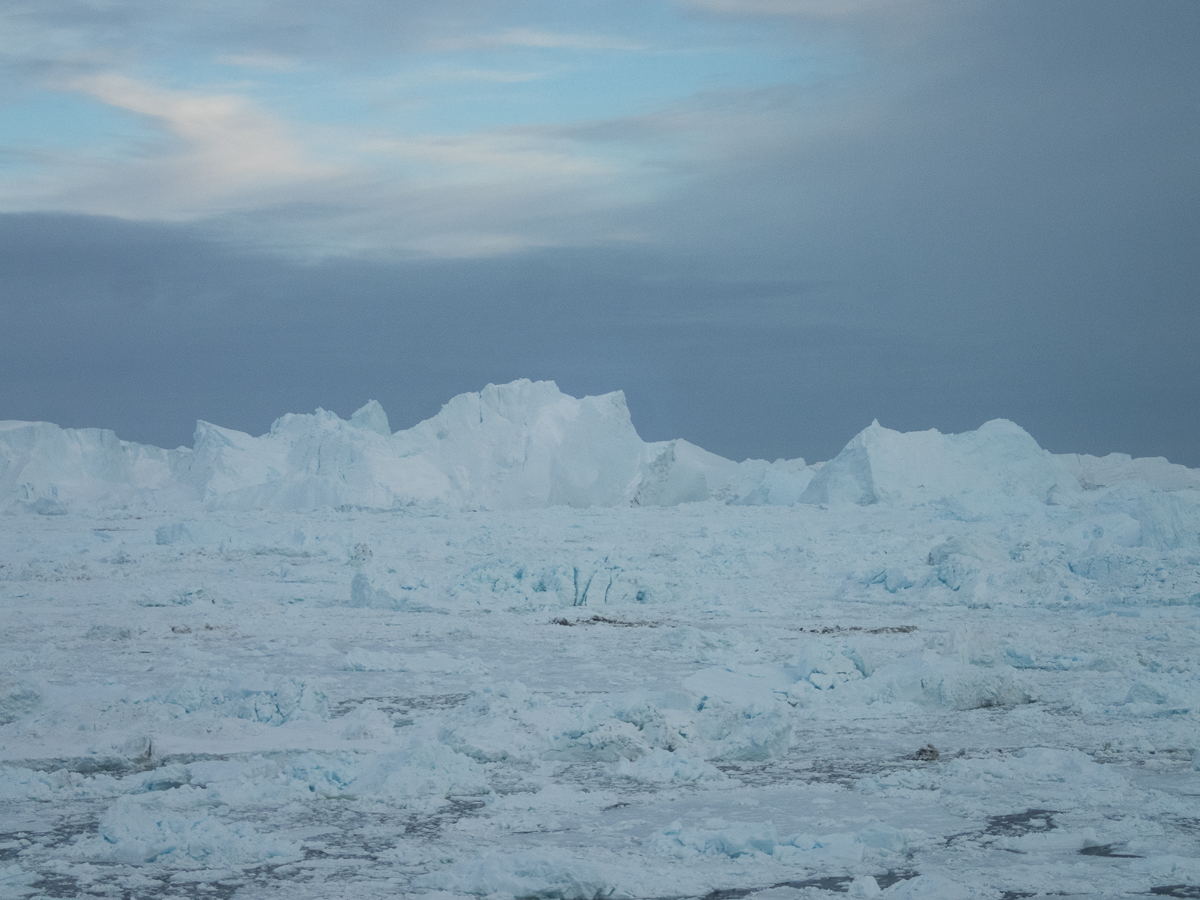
{"x":533,"y":38}
{"x":434,"y":145}
{"x":496,"y":76}
{"x":817,"y":9}
{"x":497,"y":155}
{"x":270,"y":62}
{"x":449,"y":75}
{"x":214,"y":152}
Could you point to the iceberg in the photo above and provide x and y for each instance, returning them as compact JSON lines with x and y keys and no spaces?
{"x":527,"y":445}
{"x":998,"y":462}
{"x":524,"y":445}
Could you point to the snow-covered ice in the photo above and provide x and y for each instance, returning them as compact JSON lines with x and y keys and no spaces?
{"x":515,"y":651}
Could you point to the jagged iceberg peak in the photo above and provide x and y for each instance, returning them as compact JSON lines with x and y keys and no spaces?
{"x":371,"y":417}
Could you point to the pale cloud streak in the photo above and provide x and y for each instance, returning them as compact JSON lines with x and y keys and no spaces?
{"x":346,"y":189}
{"x":397,"y":173}
{"x":213,"y":153}
{"x":269,"y":62}
{"x":496,"y":155}
{"x":532,"y":38}
{"x":821,"y":9}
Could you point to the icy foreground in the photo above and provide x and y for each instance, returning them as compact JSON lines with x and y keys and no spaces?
{"x":334,"y":661}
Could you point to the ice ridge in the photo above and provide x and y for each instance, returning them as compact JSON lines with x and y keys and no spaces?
{"x":527,"y":445}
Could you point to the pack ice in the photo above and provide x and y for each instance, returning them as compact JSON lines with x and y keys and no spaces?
{"x":515,"y":651}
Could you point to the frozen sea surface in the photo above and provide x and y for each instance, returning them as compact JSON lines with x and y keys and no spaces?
{"x":699,"y":701}
{"x":516,"y":652}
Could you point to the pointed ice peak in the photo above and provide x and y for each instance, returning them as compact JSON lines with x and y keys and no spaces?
{"x":371,"y":417}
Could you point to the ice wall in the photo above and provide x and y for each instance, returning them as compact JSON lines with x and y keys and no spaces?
{"x":528,"y":445}
{"x":998,"y":470}
{"x":1094,"y":472}
{"x":45,"y":466}
{"x":515,"y":446}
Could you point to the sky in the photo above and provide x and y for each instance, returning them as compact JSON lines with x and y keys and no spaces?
{"x":769,"y":222}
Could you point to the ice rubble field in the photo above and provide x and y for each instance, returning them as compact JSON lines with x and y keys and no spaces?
{"x":517,"y":652}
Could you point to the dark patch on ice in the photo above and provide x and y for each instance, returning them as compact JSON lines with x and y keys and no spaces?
{"x":45,"y":845}
{"x":398,"y":705}
{"x":1032,"y":821}
{"x":58,"y":886}
{"x":1191,"y":826}
{"x":312,"y":851}
{"x":928,"y":753}
{"x":119,"y":766}
{"x":894,"y":876}
{"x":858,"y":629}
{"x":431,"y":826}
{"x":836,"y":883}
{"x":347,"y":831}
{"x":800,"y":766}
{"x":108,"y":633}
{"x":1176,"y":890}
{"x":192,"y":890}
{"x":605,"y":620}
{"x":1110,"y":850}
{"x":63,"y":832}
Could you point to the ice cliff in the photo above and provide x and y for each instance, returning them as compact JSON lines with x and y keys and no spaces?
{"x":515,"y":446}
{"x":527,"y":445}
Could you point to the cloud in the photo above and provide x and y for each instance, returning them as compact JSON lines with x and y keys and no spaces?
{"x":214,"y":153}
{"x":496,"y":76}
{"x":872,"y":27}
{"x":268,"y":61}
{"x":532,"y":38}
{"x":496,"y":155}
{"x":351,"y":188}
{"x":468,"y":196}
{"x":820,"y":9}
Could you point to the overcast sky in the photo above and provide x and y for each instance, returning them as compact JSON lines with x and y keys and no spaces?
{"x":768,"y":221}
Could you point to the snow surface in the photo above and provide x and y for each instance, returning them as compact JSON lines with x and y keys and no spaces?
{"x":515,"y":651}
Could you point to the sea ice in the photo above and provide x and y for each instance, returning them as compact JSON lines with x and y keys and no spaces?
{"x":516,"y":651}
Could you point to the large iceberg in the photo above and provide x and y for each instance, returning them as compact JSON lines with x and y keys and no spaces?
{"x":516,"y":446}
{"x":45,"y":466}
{"x":527,"y":445}
{"x":997,"y":460}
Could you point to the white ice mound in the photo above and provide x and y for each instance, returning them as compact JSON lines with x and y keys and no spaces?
{"x":1095,"y":472}
{"x":304,"y":462}
{"x":516,"y":446}
{"x":998,"y":461}
{"x":45,"y":466}
{"x":527,"y":445}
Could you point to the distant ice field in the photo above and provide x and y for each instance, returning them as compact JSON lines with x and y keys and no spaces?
{"x":937,"y":666}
